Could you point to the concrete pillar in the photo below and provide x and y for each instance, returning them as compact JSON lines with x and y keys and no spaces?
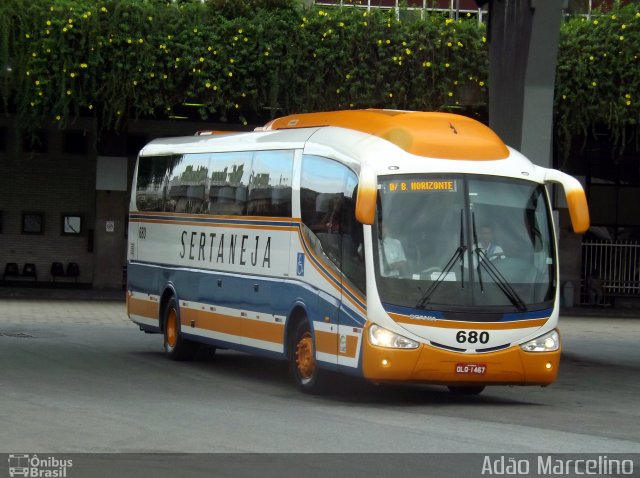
{"x":112,"y":200}
{"x":109,"y":239}
{"x":524,"y":37}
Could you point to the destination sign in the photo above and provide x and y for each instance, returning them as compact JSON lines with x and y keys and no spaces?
{"x":418,"y":185}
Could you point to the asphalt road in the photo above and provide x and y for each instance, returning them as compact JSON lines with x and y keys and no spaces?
{"x":79,"y":378}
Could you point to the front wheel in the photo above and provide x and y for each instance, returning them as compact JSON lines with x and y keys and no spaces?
{"x":175,"y":346}
{"x":304,"y":367}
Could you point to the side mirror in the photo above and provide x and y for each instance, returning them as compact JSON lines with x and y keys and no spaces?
{"x":366,"y":197}
{"x":576,"y":199}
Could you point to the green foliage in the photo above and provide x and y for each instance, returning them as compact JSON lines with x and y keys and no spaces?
{"x":250,"y":60}
{"x":598,"y":77}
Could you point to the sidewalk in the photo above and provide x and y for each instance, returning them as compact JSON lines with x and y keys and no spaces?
{"x":602,"y":312}
{"x":37,"y":293}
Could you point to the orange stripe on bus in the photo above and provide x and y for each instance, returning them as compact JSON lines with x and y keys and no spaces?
{"x":238,"y":326}
{"x":352,"y":346}
{"x":144,"y":308}
{"x":326,"y":342}
{"x":187,"y":216}
{"x":213,"y":224}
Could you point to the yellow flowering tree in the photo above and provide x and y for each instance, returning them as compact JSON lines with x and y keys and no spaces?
{"x":598,"y":78}
{"x":241,"y":61}
{"x":249,"y":60}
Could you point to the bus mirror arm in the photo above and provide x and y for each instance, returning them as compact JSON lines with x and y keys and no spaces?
{"x":576,"y":199}
{"x":366,"y":197}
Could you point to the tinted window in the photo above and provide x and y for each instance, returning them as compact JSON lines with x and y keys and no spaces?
{"x":187,"y":181}
{"x":151,"y":183}
{"x":327,"y":201}
{"x":270,"y":184}
{"x":229,"y":183}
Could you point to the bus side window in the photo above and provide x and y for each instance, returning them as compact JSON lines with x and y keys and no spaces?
{"x":269,"y":191}
{"x":187,"y":183}
{"x":228,"y":183}
{"x":152,"y":182}
{"x":327,"y":205}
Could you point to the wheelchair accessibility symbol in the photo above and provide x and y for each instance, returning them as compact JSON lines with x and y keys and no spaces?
{"x":300,"y":264}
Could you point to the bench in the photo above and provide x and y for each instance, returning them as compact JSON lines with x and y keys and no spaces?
{"x":12,"y":272}
{"x":59,"y":272}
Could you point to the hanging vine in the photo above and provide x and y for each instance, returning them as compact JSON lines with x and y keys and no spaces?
{"x":250,"y":60}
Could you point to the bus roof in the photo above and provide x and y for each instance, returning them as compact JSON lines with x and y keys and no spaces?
{"x":434,"y":135}
{"x":233,"y":141}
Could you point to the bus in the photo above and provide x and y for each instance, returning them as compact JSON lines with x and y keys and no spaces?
{"x":353,"y":242}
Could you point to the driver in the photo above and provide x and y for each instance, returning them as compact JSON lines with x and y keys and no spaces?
{"x":487,"y":245}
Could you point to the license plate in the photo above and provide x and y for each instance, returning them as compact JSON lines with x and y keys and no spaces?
{"x":471,"y":368}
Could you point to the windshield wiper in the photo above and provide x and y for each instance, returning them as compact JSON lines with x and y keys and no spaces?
{"x":459,"y":252}
{"x":494,"y":273}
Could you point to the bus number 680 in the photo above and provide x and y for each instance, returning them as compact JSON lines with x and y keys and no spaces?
{"x":472,"y":337}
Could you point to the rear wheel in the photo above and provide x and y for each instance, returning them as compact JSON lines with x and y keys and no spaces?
{"x":466,"y":390}
{"x":175,"y":346}
{"x":304,"y":367}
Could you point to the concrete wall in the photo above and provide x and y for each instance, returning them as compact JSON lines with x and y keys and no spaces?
{"x":60,"y":180}
{"x":52,"y":183}
{"x":570,"y":252}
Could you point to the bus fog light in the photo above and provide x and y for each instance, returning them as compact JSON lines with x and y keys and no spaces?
{"x":385,"y":338}
{"x":548,"y":365}
{"x":548,"y":342}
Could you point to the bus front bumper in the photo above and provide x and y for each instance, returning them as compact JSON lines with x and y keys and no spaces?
{"x":512,"y":366}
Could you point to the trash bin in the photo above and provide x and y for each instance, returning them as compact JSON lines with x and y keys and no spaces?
{"x":567,"y":294}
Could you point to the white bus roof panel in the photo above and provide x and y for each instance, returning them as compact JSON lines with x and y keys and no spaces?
{"x":250,"y":141}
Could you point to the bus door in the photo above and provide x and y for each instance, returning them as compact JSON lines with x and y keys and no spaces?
{"x":327,"y":192}
{"x":353,"y":277}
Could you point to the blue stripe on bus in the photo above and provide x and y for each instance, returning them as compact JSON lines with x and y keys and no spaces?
{"x":328,"y":272}
{"x":235,"y":292}
{"x":259,"y":222}
{"x":534,"y":314}
{"x":440,"y":315}
{"x":398,"y":309}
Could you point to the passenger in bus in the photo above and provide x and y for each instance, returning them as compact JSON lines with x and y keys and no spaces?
{"x":332,"y":218}
{"x":393,"y":262}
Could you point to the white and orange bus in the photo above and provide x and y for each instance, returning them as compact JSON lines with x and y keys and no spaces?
{"x":272,"y":242}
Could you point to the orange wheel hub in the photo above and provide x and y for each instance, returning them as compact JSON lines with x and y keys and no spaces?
{"x":305,"y":360}
{"x":172,"y":328}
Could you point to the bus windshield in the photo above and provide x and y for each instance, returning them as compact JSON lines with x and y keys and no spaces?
{"x":451,"y":242}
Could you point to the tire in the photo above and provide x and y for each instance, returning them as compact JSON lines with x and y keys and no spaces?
{"x":304,"y":368}
{"x":175,"y":346}
{"x":466,"y":390}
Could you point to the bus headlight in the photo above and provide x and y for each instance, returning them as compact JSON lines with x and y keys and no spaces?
{"x":548,"y":342}
{"x":385,"y":338}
